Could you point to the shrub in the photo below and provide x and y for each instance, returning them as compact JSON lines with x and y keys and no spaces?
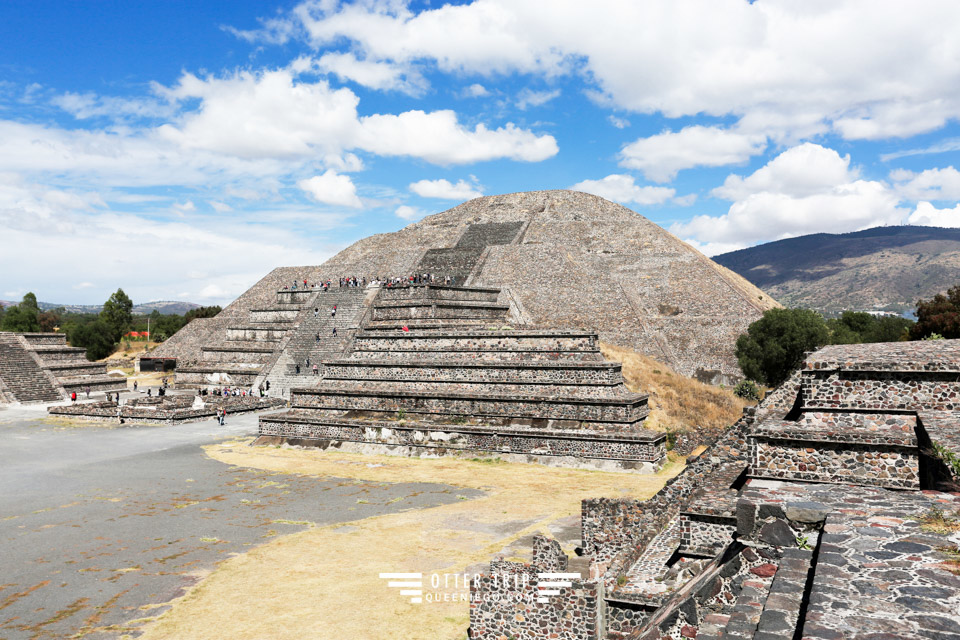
{"x":747,"y":389}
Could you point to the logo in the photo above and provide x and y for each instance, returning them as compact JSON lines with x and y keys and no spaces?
{"x":549,"y":584}
{"x":410,"y":584}
{"x":446,"y":587}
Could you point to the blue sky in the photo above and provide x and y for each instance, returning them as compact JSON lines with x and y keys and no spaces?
{"x":181,"y":150}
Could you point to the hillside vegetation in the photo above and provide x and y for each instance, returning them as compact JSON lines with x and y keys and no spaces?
{"x":887,"y":268}
{"x":677,"y":403}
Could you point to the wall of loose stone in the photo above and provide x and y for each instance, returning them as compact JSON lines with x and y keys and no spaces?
{"x":466,"y":438}
{"x":600,"y":414}
{"x":588,"y":373}
{"x":705,"y":535}
{"x":439,"y":292}
{"x":498,"y":609}
{"x":885,"y":390}
{"x":869,"y":464}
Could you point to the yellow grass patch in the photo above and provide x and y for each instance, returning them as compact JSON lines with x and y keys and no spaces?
{"x":323,"y":582}
{"x":677,"y":403}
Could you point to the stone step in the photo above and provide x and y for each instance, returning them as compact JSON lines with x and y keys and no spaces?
{"x":23,"y":378}
{"x":465,"y":310}
{"x":439,"y":292}
{"x":457,"y":370}
{"x":600,"y":413}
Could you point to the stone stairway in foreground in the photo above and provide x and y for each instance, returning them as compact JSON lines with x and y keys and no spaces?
{"x":438,"y":369}
{"x":24,"y":380}
{"x":41,"y":367}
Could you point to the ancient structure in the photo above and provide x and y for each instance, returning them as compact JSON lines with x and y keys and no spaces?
{"x":441,"y":369}
{"x":832,"y":511}
{"x":40,"y":367}
{"x":171,"y":409}
{"x":563,"y":260}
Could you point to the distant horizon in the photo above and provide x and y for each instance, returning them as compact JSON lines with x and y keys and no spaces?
{"x":182,"y":151}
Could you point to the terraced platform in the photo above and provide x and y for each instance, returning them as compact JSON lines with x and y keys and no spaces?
{"x":438,"y":369}
{"x":41,"y":367}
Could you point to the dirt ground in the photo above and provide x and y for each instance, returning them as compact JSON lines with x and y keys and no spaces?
{"x":323,"y":582}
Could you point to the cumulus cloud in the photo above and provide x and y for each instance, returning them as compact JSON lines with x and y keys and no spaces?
{"x":271,"y":114}
{"x":928,"y":215}
{"x":621,"y":188}
{"x":931,"y":184}
{"x":806,"y":189}
{"x":331,"y":188}
{"x":371,"y":74}
{"x":817,"y":62}
{"x":660,"y":157}
{"x":446,"y":190}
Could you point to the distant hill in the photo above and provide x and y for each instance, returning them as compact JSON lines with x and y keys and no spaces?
{"x":884,"y":268}
{"x":166,"y":307}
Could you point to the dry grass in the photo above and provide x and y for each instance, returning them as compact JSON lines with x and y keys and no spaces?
{"x":136,"y":349}
{"x":677,"y":403}
{"x":323,"y":582}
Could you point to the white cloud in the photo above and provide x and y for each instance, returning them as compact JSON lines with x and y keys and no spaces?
{"x":331,"y":188}
{"x":220,"y":207}
{"x":868,"y":69}
{"x":805,"y":189}
{"x":529,"y":98}
{"x":931,"y":184}
{"x":73,"y":228}
{"x":371,"y":74}
{"x":928,"y":215}
{"x":273,"y":115}
{"x":660,"y":157}
{"x":619,"y":123}
{"x":409,"y":213}
{"x":445,"y":190}
{"x":476,"y":91}
{"x":806,"y":169}
{"x":621,"y":188}
{"x":439,"y":138}
{"x":84,"y":285}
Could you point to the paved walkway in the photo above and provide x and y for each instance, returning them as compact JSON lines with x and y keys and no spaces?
{"x":101,"y":525}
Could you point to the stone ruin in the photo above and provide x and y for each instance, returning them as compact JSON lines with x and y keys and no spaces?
{"x":440,"y":369}
{"x":172,"y":409}
{"x":817,"y":515}
{"x":40,"y":367}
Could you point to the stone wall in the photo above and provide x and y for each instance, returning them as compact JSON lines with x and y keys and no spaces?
{"x":639,"y":452}
{"x":885,"y":390}
{"x":599,"y":414}
{"x":498,"y":609}
{"x":880,"y":465}
{"x":705,"y":535}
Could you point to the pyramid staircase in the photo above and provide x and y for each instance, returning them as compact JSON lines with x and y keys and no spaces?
{"x":439,"y":368}
{"x":250,"y":347}
{"x":41,"y":367}
{"x":23,"y":379}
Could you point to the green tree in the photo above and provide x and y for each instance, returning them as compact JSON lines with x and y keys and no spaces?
{"x":24,"y":316}
{"x":774,"y":345}
{"x":940,"y":314}
{"x":118,"y":314}
{"x":889,"y":329}
{"x":201,"y":312}
{"x":841,"y":333}
{"x":96,"y":337}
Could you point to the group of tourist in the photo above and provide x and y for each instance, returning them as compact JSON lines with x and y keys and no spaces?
{"x":362,"y":282}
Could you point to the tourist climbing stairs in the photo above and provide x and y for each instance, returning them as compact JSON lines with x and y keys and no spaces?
{"x":304,"y":346}
{"x":22,"y":377}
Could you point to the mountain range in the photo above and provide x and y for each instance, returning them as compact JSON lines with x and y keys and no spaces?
{"x":884,"y":268}
{"x":165,"y":307}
